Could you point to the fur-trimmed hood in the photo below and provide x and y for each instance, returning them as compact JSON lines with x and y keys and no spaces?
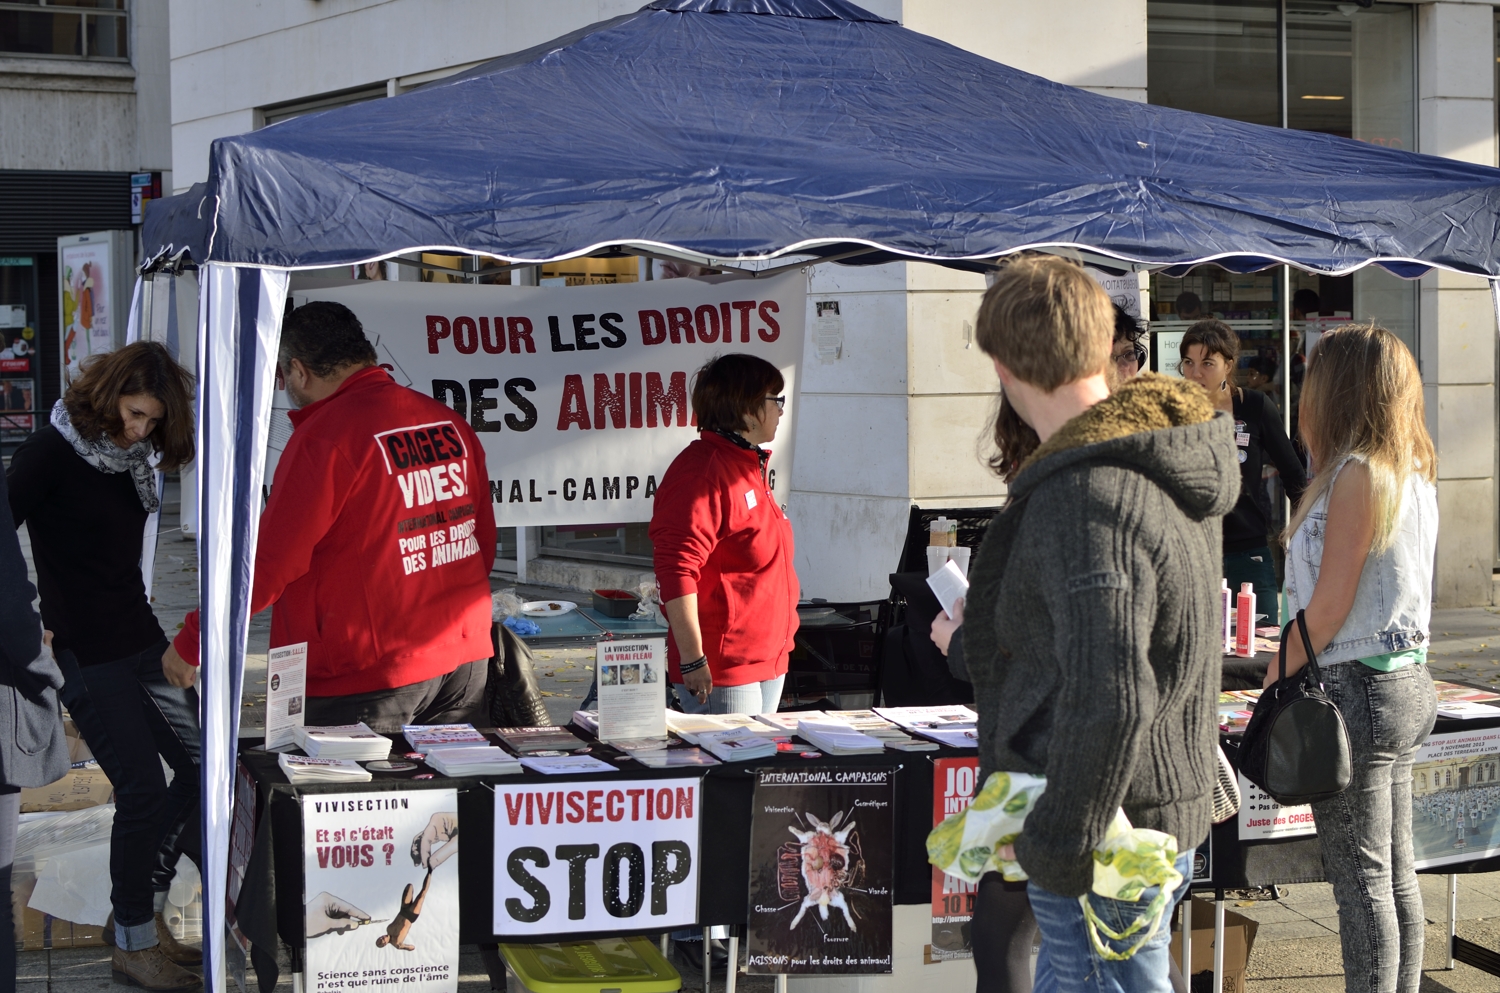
{"x":1167,"y":428}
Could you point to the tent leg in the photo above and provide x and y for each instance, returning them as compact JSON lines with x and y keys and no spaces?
{"x":1187,"y":937}
{"x":521,"y":551}
{"x":1452,"y":914}
{"x":734,"y":963}
{"x":1219,"y":941}
{"x":708,"y":960}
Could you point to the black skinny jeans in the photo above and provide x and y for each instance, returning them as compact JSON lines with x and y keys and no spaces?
{"x":129,"y":715}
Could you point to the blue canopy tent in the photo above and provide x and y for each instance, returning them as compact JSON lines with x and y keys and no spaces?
{"x":741,"y":134}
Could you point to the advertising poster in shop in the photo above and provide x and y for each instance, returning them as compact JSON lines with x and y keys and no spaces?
{"x":953,"y":788}
{"x":576,"y":857}
{"x":86,"y":330}
{"x":821,"y":871}
{"x":380,"y":882}
{"x":581,"y":395}
{"x":1455,"y":798}
{"x":1262,"y":818}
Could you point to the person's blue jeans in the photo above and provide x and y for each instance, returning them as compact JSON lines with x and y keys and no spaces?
{"x":749,"y":698}
{"x":132,"y":718}
{"x":1366,"y":830}
{"x":1068,"y":963}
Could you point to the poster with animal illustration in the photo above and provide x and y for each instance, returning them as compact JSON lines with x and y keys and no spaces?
{"x":821,"y":871}
{"x":380,"y":884}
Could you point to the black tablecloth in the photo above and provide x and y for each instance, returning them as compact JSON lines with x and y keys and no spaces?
{"x":1239,"y":864}
{"x":271,"y":898}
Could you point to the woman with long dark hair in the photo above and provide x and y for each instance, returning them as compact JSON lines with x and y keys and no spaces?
{"x":84,"y":486}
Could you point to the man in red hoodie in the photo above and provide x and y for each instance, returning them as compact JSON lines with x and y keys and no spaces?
{"x":376,"y":543}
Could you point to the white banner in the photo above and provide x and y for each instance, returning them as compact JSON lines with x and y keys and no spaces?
{"x":576,"y":857}
{"x":1262,"y":817}
{"x":581,"y":395}
{"x":380,"y":880}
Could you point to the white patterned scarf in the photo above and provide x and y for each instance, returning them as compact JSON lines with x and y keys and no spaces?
{"x":103,"y":454}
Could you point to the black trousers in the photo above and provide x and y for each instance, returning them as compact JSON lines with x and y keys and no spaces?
{"x":457,"y":698}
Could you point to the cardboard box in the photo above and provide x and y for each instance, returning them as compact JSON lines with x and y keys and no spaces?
{"x":36,"y":931}
{"x":87,"y":787}
{"x":1239,"y":939}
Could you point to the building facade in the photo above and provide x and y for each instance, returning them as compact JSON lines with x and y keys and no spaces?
{"x":85,"y":104}
{"x":896,"y":416}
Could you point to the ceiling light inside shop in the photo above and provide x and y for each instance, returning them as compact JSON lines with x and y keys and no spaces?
{"x":1316,"y":96}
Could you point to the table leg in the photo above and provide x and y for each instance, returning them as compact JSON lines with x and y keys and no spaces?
{"x":734,"y":963}
{"x":299,"y":987}
{"x":781,"y":984}
{"x":1452,"y":914}
{"x":1218,"y":941}
{"x":708,"y":960}
{"x":1187,"y":938}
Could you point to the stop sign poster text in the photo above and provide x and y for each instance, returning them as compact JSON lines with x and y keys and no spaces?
{"x":582,"y":395}
{"x":574,"y":857}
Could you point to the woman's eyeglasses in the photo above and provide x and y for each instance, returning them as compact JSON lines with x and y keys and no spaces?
{"x":780,"y":402}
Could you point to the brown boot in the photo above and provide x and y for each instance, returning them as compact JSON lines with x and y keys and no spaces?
{"x":150,"y":969}
{"x":174,"y":949}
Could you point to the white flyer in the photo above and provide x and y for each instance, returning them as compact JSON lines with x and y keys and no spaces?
{"x":632,"y":688}
{"x":286,"y":694}
{"x":380,"y":883}
{"x":1262,"y":817}
{"x":610,"y":856}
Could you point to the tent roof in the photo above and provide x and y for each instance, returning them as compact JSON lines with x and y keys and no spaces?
{"x":752,"y":129}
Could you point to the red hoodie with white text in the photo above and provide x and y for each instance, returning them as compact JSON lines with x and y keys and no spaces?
{"x":377,"y":541}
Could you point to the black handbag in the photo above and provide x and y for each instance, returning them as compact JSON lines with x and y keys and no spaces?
{"x":1296,"y":747}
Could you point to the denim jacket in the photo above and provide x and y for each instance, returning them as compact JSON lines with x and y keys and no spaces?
{"x":1393,"y":602}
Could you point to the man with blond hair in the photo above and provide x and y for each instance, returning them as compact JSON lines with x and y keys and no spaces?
{"x":1092,"y":633}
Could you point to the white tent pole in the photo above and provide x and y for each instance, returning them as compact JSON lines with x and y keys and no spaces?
{"x":238,"y":327}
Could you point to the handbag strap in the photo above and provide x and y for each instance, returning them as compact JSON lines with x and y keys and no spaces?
{"x":1300,"y":623}
{"x":1312,"y":656}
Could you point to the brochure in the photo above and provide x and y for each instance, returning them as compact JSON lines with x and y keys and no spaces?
{"x":949,"y":586}
{"x":565,"y":765}
{"x":632,"y":688}
{"x":425,"y":737}
{"x":523,"y":741}
{"x":286,"y":692}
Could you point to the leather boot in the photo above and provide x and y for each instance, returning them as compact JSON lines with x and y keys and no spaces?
{"x":174,"y":949}
{"x":150,"y":969}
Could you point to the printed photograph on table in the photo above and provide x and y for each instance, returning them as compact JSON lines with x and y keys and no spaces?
{"x":821,"y":871}
{"x":1455,"y":798}
{"x":954,"y":783}
{"x":380,"y":883}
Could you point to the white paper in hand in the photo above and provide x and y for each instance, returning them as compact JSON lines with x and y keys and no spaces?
{"x":948,"y":585}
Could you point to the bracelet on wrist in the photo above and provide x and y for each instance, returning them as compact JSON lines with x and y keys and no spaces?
{"x":695,"y":665}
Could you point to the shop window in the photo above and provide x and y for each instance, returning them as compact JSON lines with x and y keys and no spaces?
{"x":18,"y":347}
{"x":627,"y":544}
{"x":76,"y":29}
{"x":1218,"y":58}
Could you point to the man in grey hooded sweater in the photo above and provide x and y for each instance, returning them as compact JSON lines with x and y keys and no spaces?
{"x":1092,"y":627}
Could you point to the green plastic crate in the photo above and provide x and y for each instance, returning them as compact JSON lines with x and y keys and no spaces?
{"x":599,"y":965}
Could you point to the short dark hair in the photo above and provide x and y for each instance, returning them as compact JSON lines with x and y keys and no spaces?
{"x":326,"y":337}
{"x":1188,"y":300}
{"x":1216,"y":337}
{"x":143,"y":367}
{"x":1306,"y":301}
{"x":731,"y":388}
{"x":1264,"y":365}
{"x":1127,"y":328}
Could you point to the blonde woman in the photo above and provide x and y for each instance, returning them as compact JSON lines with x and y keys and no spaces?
{"x":1359,"y":562}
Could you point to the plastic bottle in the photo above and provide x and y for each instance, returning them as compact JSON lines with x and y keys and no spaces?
{"x":1226,"y":608}
{"x":1244,"y":622}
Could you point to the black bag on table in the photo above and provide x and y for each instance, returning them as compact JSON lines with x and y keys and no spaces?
{"x":1296,"y":747}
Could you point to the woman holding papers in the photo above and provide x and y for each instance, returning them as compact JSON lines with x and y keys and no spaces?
{"x":84,"y":486}
{"x":724,"y":547}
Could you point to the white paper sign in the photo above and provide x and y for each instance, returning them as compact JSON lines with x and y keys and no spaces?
{"x":1262,"y":817}
{"x":380,"y":883}
{"x":632,"y":688}
{"x":596,"y":856}
{"x":581,"y":394}
{"x":286,"y":693}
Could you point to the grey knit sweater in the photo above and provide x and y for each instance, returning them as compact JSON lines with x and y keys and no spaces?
{"x":1092,"y":630}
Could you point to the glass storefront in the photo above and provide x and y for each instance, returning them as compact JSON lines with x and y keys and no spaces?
{"x":18,"y":354}
{"x":1350,"y":71}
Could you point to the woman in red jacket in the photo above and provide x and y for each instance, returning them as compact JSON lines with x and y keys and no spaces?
{"x":723,"y":547}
